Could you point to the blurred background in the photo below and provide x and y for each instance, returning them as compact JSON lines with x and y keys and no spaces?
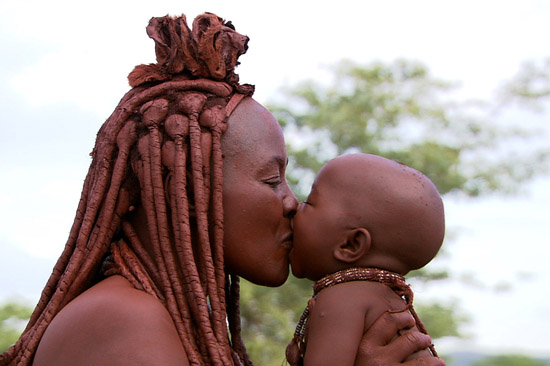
{"x":458,"y":90}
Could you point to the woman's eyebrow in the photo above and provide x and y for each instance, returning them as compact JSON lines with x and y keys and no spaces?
{"x":279,"y":160}
{"x":274,"y":162}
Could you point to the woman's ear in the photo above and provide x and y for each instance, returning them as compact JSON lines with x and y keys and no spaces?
{"x":357,"y":244}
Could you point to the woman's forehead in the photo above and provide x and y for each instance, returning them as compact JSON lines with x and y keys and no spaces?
{"x":253,"y":129}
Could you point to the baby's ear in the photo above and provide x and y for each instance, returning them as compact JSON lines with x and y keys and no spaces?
{"x":357,"y":244}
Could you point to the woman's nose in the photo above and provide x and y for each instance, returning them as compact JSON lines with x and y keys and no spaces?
{"x":290,"y":204}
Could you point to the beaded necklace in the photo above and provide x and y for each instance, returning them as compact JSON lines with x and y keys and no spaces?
{"x":296,"y":349}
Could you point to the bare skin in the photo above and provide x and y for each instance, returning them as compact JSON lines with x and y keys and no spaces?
{"x":380,"y":347}
{"x":106,"y":325}
{"x":340,"y":317}
{"x":363,"y":211}
{"x":148,"y":320}
{"x":115,"y":324}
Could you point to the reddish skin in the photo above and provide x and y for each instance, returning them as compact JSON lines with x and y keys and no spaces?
{"x":363,"y":210}
{"x":317,"y":228}
{"x":340,"y":317}
{"x":379,"y":347}
{"x":115,"y":324}
{"x":258,"y":202}
{"x":107,"y":325}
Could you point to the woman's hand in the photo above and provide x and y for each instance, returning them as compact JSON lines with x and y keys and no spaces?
{"x":383,"y":346}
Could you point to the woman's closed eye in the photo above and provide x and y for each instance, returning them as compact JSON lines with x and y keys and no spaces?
{"x":274,"y":181}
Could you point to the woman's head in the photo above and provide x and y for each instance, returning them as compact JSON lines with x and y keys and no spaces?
{"x":152,"y":200}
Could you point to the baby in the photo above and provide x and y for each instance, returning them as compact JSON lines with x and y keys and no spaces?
{"x":367,"y":222}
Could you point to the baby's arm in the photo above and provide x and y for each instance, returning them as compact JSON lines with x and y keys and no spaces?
{"x":337,"y":321}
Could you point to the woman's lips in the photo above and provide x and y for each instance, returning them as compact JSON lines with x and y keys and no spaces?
{"x":287,"y":243}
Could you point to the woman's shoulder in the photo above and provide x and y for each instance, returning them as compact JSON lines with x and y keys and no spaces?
{"x":114,"y":298}
{"x":111,"y":323}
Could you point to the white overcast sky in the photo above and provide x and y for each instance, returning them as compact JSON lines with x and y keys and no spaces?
{"x":63,"y":69}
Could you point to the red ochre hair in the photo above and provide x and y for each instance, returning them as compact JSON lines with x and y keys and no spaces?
{"x":161,"y":150}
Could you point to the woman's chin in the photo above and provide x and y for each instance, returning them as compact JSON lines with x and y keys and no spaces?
{"x":272,"y":278}
{"x":278,"y":280}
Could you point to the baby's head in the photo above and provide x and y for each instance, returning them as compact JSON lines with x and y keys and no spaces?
{"x":366,"y":210}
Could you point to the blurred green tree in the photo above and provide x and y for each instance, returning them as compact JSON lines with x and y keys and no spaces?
{"x":400,"y":111}
{"x":530,"y":86}
{"x":12,"y":315}
{"x":442,"y":320}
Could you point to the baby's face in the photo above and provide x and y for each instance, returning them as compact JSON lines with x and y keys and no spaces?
{"x":318,"y":228}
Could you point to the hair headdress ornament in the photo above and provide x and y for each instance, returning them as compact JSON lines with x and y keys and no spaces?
{"x":211,"y":51}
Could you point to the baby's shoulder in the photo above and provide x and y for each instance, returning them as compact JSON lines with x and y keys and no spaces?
{"x":358,"y":289}
{"x":369,"y":298}
{"x":364,"y":294}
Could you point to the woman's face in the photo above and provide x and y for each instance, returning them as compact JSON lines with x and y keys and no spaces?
{"x":257,"y":200}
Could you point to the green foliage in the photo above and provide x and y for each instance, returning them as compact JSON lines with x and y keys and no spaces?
{"x":400,"y":111}
{"x":511,"y":360}
{"x":11,"y":315}
{"x":530,"y":85}
{"x":269,"y":317}
{"x":441,"y":320}
{"x":424,"y":275}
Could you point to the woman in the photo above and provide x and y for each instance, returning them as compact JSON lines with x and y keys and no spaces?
{"x":171,"y":215}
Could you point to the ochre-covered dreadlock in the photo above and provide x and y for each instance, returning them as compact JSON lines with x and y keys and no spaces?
{"x":160,"y":151}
